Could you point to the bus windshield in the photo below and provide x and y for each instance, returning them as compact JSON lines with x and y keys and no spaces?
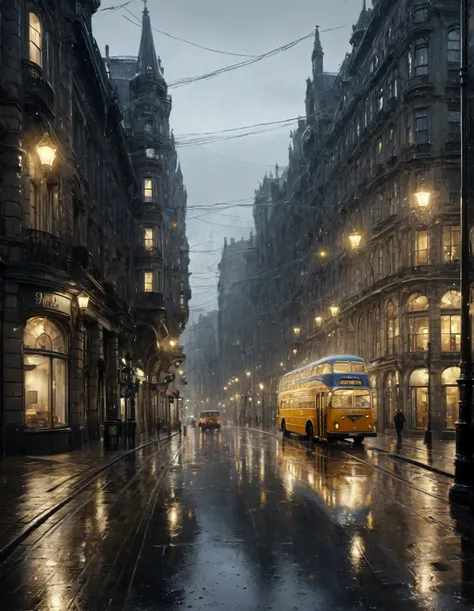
{"x":351,"y":399}
{"x":349,"y":367}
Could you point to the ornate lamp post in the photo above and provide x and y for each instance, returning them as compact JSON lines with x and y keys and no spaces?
{"x":462,"y":490}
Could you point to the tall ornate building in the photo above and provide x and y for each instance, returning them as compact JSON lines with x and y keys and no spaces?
{"x":162,"y":252}
{"x":358,"y":241}
{"x":72,"y":285}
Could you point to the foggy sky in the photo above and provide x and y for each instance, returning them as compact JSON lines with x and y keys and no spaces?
{"x":270,"y":90}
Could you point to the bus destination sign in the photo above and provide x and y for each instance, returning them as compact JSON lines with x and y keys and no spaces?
{"x":346,"y":382}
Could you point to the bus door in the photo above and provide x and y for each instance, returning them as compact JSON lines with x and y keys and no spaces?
{"x":321,"y":410}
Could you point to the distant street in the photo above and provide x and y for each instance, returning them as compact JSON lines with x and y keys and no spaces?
{"x":241,"y":520}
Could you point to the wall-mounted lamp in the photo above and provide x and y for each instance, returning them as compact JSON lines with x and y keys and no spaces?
{"x":334,"y":310}
{"x":83,"y":301}
{"x":47,"y":154}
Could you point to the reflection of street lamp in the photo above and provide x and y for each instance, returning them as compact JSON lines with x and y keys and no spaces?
{"x":334,"y":309}
{"x":463,"y":488}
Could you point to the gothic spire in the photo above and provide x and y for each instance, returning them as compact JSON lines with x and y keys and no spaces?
{"x":318,"y":54}
{"x":147,"y":61}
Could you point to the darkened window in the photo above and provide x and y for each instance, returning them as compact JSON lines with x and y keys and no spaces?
{"x":454,"y":46}
{"x":420,"y":15}
{"x":421,"y":57}
{"x":421,"y":124}
{"x":454,"y":124}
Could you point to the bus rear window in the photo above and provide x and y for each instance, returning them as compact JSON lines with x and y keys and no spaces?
{"x":210,"y":415}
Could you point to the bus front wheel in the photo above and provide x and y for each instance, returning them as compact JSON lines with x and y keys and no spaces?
{"x":283,"y":428}
{"x":358,"y":440}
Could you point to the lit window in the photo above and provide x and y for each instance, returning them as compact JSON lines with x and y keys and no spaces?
{"x":450,"y":332}
{"x":148,"y":282}
{"x":451,"y":243}
{"x":380,"y":147}
{"x":451,"y":300}
{"x":421,"y":254}
{"x":454,"y":46}
{"x":419,"y":333}
{"x":148,"y":189}
{"x":151,"y":153}
{"x":36,"y":40}
{"x":380,"y":100}
{"x":148,"y":238}
{"x":149,"y":126}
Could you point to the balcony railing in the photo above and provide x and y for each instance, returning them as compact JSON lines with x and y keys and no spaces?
{"x":37,"y":89}
{"x":46,"y":249}
{"x":150,"y":300}
{"x":148,"y":252}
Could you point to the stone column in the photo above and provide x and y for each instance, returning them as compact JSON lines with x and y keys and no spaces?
{"x":77,"y":411}
{"x":113,"y":381}
{"x":93,"y":415}
{"x":11,"y":217}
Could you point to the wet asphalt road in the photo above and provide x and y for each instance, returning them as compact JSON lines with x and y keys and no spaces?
{"x":243,"y":520}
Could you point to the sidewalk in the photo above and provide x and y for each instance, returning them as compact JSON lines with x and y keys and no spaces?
{"x":439,"y":458}
{"x":32,"y":486}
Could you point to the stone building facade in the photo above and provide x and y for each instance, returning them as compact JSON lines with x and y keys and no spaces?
{"x":357,"y":242}
{"x":202,"y":364}
{"x":71,"y":303}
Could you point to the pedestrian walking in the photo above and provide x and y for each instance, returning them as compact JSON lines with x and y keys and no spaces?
{"x":399,"y":420}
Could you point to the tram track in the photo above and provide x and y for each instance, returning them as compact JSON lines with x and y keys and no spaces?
{"x":369,"y":463}
{"x":10,"y":550}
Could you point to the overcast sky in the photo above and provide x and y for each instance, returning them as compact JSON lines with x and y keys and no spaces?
{"x":270,"y":90}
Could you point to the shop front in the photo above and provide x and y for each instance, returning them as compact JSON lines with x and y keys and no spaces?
{"x":46,"y":367}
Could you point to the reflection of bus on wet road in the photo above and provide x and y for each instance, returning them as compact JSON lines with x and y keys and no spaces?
{"x":328,"y":399}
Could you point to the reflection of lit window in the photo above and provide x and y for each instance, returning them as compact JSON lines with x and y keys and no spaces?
{"x":148,"y":282}
{"x":148,"y":189}
{"x":36,"y":40}
{"x":45,"y":363}
{"x":148,"y":238}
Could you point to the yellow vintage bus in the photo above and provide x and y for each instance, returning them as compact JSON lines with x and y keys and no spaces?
{"x":328,"y":399}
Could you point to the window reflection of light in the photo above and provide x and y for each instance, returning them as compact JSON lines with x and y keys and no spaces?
{"x":174,"y":514}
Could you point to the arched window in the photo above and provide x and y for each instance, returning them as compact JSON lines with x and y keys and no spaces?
{"x":36,"y":39}
{"x":418,"y":322}
{"x":419,"y":396}
{"x":450,"y":321}
{"x":449,"y":382}
{"x":392,"y":328}
{"x":45,"y":363}
{"x":454,"y":46}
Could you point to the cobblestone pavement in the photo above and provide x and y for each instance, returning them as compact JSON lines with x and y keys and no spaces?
{"x":239,"y":519}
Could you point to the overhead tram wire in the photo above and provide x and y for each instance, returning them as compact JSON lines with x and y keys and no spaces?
{"x":189,"y":42}
{"x":184,"y":81}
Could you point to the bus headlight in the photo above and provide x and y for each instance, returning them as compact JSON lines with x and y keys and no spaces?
{"x":366,"y":416}
{"x":336,"y":425}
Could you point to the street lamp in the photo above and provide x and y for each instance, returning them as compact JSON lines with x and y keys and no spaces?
{"x":294,"y":350}
{"x":334,"y":309}
{"x":355,"y":239}
{"x":297,"y":330}
{"x":261,"y":386}
{"x":83,"y":301}
{"x":423,"y":197}
{"x":318,"y":320}
{"x":462,"y":490}
{"x":173,"y":343}
{"x":46,"y":153}
{"x":248,"y":373}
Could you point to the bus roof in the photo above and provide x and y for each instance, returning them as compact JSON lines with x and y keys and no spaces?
{"x":328,"y":359}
